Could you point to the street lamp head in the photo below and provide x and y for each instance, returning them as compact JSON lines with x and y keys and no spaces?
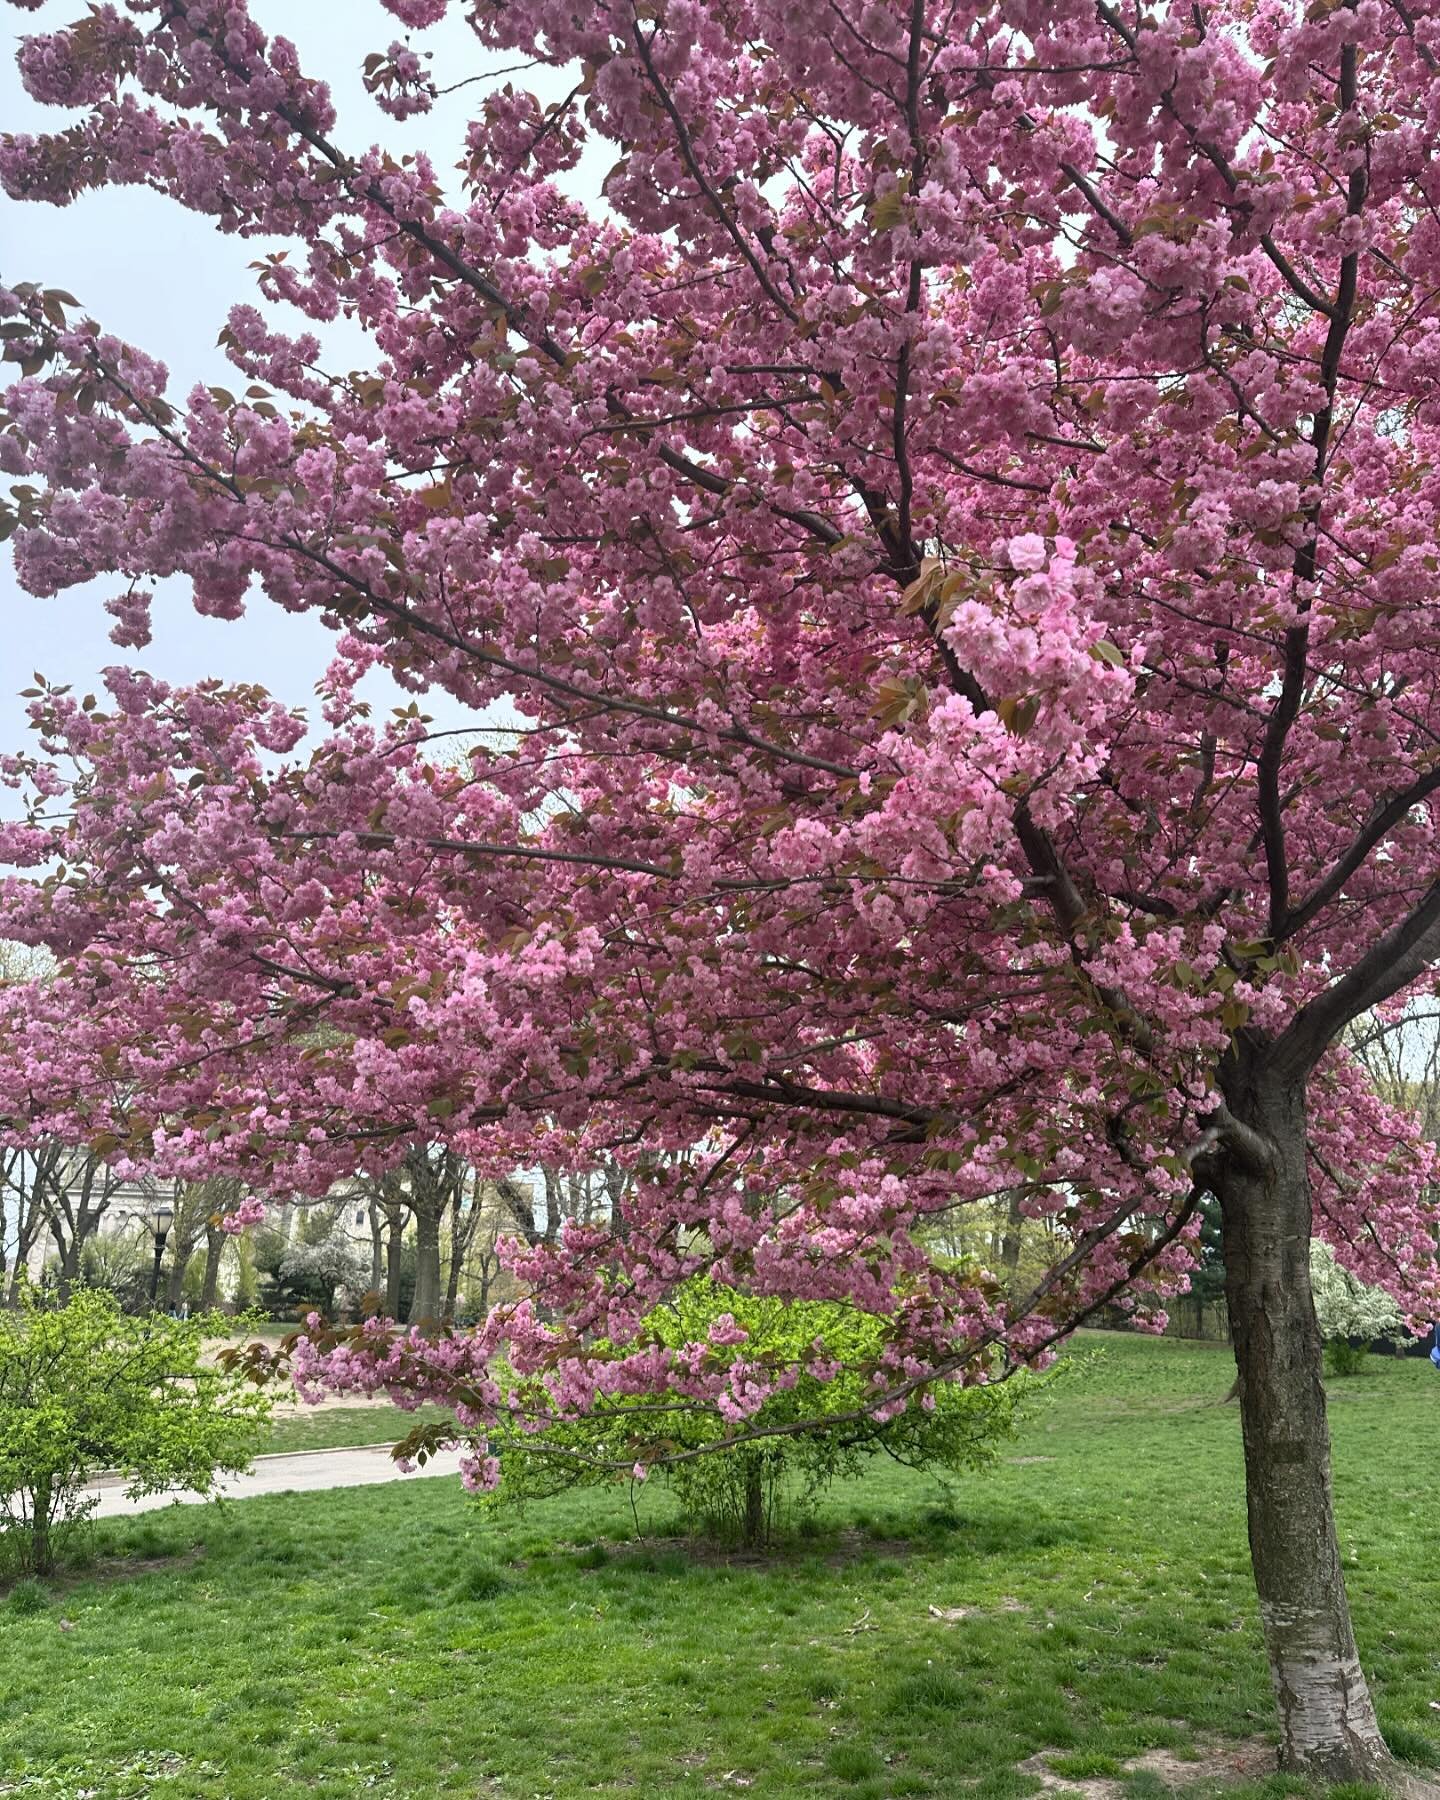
{"x":161,"y":1217}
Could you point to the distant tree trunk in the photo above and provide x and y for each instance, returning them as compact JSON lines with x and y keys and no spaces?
{"x":210,"y":1283}
{"x":28,"y":1227}
{"x":753,"y":1524}
{"x":1010,"y":1240}
{"x":517,"y":1202}
{"x":180,"y":1257}
{"x":554,"y":1204}
{"x":489,"y":1264}
{"x":426,"y":1303}
{"x":394,"y":1261}
{"x":68,"y":1273}
{"x":377,"y":1249}
{"x":459,"y":1244}
{"x":1328,"y":1724}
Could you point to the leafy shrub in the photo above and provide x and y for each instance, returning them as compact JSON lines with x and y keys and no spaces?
{"x":1344,"y":1358}
{"x":117,"y":1261}
{"x":741,"y":1492}
{"x":85,"y":1388}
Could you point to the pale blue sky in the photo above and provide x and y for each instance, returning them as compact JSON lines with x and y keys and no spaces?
{"x":164,"y":279}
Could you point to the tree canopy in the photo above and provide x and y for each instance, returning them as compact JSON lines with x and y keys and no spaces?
{"x":954,"y":526}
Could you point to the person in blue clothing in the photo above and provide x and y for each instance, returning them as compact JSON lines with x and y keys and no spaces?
{"x":1435,"y":1346}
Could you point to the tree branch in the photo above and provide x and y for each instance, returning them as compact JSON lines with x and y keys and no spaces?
{"x":1394,"y":960}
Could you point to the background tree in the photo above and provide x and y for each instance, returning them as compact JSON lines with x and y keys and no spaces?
{"x":388,"y":1207}
{"x":85,"y":1388}
{"x":744,"y":1493}
{"x":25,"y":1177}
{"x":1346,"y":1309}
{"x":313,"y":1271}
{"x":203,"y":1214}
{"x":77,"y":1191}
{"x":187,"y":1231}
{"x":435,"y":1182}
{"x":954,"y":528}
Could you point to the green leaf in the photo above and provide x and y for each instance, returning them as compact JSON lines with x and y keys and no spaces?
{"x":888,"y":211}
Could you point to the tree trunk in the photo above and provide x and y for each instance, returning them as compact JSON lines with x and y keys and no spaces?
{"x":42,"y":1551}
{"x":753,"y":1525}
{"x":210,"y":1284}
{"x":1010,"y":1239}
{"x":394,"y":1261}
{"x":1328,"y":1725}
{"x":457,"y":1264}
{"x":175,"y":1281}
{"x":69,"y":1270}
{"x":426,"y":1303}
{"x":377,"y":1250}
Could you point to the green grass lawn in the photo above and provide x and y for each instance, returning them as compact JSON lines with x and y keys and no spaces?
{"x":395,"y":1642}
{"x":333,"y":1427}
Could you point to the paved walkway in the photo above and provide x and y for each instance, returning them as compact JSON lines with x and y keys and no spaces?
{"x":296,"y":1473}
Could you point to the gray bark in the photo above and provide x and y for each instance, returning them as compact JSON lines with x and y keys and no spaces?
{"x":214,"y":1251}
{"x":394,"y":1260}
{"x":68,"y":1274}
{"x":426,"y":1303}
{"x":1328,"y":1724}
{"x":180,"y":1257}
{"x":377,"y":1248}
{"x":1010,"y":1239}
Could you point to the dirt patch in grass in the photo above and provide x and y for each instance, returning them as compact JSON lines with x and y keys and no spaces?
{"x":127,"y":1568}
{"x":112,"y":1570}
{"x":1217,"y":1762}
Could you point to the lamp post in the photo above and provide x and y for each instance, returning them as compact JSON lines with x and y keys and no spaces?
{"x":160,"y":1218}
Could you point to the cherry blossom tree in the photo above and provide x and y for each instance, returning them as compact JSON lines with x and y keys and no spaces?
{"x":954,"y":527}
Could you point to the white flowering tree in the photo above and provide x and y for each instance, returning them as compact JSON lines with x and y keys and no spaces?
{"x":1346,"y":1308}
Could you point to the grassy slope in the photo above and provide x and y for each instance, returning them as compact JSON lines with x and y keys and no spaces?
{"x":393,"y":1642}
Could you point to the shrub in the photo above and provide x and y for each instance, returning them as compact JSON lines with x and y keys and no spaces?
{"x":85,"y":1388}
{"x":312,"y":1273}
{"x":1344,"y":1358}
{"x":741,"y":1492}
{"x":117,"y":1261}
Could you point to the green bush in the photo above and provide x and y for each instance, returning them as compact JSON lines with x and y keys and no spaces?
{"x":1344,"y":1358}
{"x":86,"y":1388}
{"x":117,"y":1261}
{"x":741,"y":1492}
